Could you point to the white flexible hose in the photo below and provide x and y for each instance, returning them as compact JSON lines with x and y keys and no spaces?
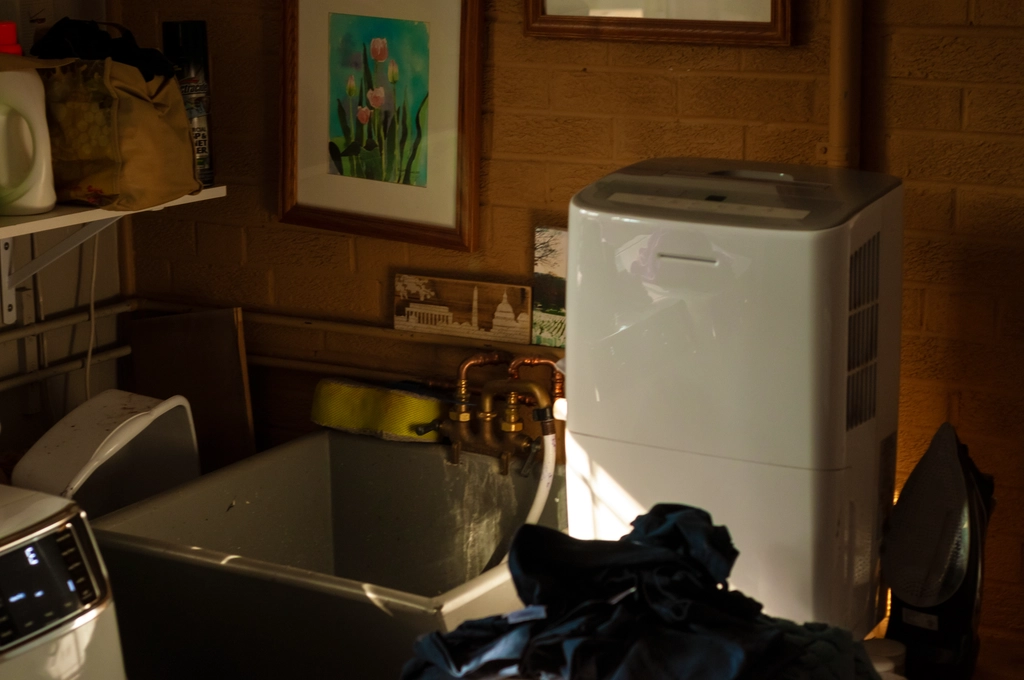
{"x":547,"y":476}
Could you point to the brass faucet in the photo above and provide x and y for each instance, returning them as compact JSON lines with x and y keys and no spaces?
{"x":557,"y":378}
{"x":500,"y":435}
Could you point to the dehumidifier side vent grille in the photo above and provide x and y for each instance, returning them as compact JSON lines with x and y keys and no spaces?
{"x":864,"y":274}
{"x":862,"y":334}
{"x":860,"y":396}
{"x":862,"y":348}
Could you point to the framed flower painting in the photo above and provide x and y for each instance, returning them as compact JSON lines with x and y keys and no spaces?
{"x":381,"y":118}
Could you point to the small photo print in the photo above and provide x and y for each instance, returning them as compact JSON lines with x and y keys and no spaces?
{"x":550,"y":267}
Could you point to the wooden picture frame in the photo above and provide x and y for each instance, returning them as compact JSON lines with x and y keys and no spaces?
{"x":315,"y":189}
{"x":536,"y":23}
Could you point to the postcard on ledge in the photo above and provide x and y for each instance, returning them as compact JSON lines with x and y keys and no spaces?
{"x":485,"y":311}
{"x":550,"y":266}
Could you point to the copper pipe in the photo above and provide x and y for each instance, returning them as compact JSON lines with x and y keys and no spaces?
{"x":557,"y":377}
{"x":489,"y":435}
{"x":482,"y":359}
{"x":463,"y":439}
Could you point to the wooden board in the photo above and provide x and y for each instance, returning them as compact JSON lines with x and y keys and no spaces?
{"x":200,"y":356}
{"x":283,"y":400}
{"x":469,"y":309}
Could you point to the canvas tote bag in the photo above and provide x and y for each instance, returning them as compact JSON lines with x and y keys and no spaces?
{"x":118,"y":142}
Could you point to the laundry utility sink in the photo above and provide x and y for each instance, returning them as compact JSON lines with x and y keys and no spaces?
{"x":322,"y":558}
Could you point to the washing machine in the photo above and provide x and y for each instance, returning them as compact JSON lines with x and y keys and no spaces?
{"x":57,"y":619}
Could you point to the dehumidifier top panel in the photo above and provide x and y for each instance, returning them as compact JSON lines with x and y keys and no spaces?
{"x":21,"y":509}
{"x":736,"y":193}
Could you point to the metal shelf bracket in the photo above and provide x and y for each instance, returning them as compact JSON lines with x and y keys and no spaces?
{"x":10,"y":280}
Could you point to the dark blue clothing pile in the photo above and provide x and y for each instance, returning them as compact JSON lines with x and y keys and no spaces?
{"x":654,"y":604}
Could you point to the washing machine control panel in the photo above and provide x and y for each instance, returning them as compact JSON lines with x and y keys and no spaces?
{"x":45,"y":580}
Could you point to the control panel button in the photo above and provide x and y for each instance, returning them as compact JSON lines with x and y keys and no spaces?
{"x":82,"y":584}
{"x":6,"y":626}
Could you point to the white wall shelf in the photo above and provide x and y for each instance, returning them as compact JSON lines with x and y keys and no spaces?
{"x":70,"y":215}
{"x":94,"y":220}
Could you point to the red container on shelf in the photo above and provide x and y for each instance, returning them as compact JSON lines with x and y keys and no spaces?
{"x":9,"y":38}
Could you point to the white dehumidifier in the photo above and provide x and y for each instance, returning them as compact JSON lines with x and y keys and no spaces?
{"x":733,"y":336}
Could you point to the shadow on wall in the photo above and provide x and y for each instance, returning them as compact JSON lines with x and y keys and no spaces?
{"x":959,"y":150}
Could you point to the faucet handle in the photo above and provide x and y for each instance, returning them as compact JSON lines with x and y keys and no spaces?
{"x":427,"y":428}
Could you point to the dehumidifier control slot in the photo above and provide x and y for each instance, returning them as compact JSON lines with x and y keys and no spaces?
{"x":689,"y":258}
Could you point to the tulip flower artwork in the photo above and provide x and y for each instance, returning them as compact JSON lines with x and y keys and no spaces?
{"x":379,"y":72}
{"x":376,"y":97}
{"x":379,"y":49}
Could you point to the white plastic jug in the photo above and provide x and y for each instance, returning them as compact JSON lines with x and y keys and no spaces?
{"x":26,"y":169}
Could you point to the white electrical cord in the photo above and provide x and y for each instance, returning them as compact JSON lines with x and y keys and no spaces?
{"x":92,"y":318}
{"x":42,"y":351}
{"x":547,"y":476}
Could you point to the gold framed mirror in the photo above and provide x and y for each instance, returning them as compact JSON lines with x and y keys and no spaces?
{"x":717,"y":22}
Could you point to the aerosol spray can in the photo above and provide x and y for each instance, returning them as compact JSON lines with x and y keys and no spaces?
{"x":185,"y":46}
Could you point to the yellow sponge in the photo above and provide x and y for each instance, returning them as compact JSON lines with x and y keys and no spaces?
{"x":378,"y":411}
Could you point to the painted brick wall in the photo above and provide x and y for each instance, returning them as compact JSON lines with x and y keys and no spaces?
{"x":944,"y":105}
{"x":943,"y":109}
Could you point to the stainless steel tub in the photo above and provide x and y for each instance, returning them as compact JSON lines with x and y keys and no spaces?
{"x":322,"y":558}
